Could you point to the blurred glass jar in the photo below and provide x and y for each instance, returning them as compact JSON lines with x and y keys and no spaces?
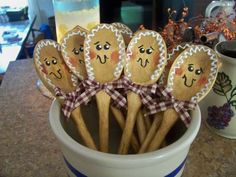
{"x":69,"y":13}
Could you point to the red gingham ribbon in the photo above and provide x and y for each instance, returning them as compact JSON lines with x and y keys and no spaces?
{"x":70,"y":99}
{"x":181,"y":107}
{"x":143,"y":91}
{"x":92,"y":87}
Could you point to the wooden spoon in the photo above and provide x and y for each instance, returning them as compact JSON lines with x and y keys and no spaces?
{"x":54,"y":73}
{"x":162,"y":81}
{"x":72,"y":47}
{"x":191,"y":77}
{"x":145,"y":60}
{"x":140,"y":123}
{"x":104,"y":60}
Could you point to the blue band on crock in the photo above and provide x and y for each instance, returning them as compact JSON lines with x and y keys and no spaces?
{"x":78,"y":174}
{"x":74,"y":170}
{"x":177,"y":170}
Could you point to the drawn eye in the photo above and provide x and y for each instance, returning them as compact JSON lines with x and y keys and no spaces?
{"x":190,"y":68}
{"x":47,"y":63}
{"x":141,"y":50}
{"x":106,"y":46}
{"x":76,"y":52}
{"x":149,"y":51}
{"x":198,"y":71}
{"x":98,"y":47}
{"x":54,"y":61}
{"x":81,"y":49}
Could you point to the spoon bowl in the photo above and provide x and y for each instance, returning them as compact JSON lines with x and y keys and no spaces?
{"x":72,"y":47}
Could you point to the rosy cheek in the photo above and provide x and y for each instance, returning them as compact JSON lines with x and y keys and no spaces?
{"x":92,"y":54}
{"x":115,"y":56}
{"x":44,"y":69}
{"x":73,"y":61}
{"x":179,"y":71}
{"x":202,"y":81}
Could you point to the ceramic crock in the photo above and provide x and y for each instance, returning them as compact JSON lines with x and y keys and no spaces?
{"x":219,"y":106}
{"x":84,"y":162}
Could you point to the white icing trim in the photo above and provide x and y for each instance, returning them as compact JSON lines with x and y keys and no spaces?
{"x":177,"y":48}
{"x":183,"y":56}
{"x":41,"y":44}
{"x":120,"y":40}
{"x":123,"y":29}
{"x":65,"y":53}
{"x":162,"y":50}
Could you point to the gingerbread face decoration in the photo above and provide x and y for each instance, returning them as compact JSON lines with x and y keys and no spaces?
{"x":51,"y":67}
{"x":104,"y":53}
{"x":72,"y":47}
{"x":193,"y":73}
{"x":146,"y":57}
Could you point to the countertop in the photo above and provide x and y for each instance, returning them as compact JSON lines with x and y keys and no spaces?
{"x":28,"y":147}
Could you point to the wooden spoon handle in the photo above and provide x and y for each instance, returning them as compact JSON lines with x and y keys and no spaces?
{"x":121,"y":121}
{"x":148,"y":123}
{"x":141,"y":128}
{"x":134,"y":104}
{"x":169,"y":118}
{"x":82,"y":128}
{"x":151,"y":133}
{"x":103,"y":104}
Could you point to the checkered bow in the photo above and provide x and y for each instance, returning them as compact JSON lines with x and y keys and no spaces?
{"x":92,"y":87}
{"x":86,"y":90}
{"x":71,"y":99}
{"x":181,"y":107}
{"x":144,"y":91}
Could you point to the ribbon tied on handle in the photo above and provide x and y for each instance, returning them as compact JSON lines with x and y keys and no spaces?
{"x":71,"y":99}
{"x":144,"y":91}
{"x":86,"y":90}
{"x":92,"y":87}
{"x":181,"y":107}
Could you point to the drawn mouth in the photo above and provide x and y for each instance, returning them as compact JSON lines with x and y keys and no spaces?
{"x":143,"y":63}
{"x":102,"y":60}
{"x":186,"y":83}
{"x":57,"y":75}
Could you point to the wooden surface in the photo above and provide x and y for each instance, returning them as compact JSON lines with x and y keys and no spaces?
{"x":28,"y":147}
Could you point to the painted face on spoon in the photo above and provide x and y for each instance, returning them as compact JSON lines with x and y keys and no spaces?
{"x":104,"y":53}
{"x":195,"y":74}
{"x":51,"y":66}
{"x":72,"y":47}
{"x":146,"y":57}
